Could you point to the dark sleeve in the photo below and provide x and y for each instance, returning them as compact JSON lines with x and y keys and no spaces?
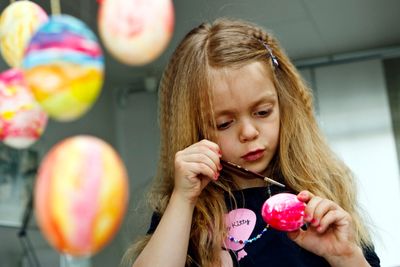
{"x":371,"y":257}
{"x":155,"y":220}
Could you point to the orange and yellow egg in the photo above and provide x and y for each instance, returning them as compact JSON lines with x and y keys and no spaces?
{"x":81,"y":194}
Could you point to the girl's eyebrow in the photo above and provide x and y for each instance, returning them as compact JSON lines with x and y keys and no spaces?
{"x":266,"y":98}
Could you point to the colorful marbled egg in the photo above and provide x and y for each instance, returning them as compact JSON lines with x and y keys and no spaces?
{"x":284,"y":212}
{"x":22,"y":120}
{"x":81,"y":194}
{"x":64,"y":67}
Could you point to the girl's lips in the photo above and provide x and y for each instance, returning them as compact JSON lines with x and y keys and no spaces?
{"x":254,"y":155}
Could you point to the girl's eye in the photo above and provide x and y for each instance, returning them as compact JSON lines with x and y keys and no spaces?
{"x":223,"y":125}
{"x":263,"y":113}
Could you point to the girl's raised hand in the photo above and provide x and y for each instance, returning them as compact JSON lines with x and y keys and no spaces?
{"x":330,"y":233}
{"x":195,"y":167}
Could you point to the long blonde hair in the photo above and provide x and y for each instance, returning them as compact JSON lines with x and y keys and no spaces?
{"x":303,"y":159}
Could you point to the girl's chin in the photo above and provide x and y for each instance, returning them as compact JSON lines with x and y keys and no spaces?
{"x":256,"y":166}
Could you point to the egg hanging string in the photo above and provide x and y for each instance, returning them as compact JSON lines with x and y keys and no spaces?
{"x":55,"y":7}
{"x":69,"y":261}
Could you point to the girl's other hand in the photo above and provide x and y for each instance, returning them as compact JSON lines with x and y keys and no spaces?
{"x":195,"y":167}
{"x":330,"y":233}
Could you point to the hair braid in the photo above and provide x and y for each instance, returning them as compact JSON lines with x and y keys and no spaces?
{"x":285,"y":65}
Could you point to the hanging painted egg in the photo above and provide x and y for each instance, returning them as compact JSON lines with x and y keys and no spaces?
{"x":136,"y":32}
{"x":22,"y":120}
{"x":18,"y":22}
{"x":81,"y":194}
{"x":284,"y":212}
{"x":64,"y":67}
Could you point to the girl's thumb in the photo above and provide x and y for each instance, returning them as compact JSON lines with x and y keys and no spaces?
{"x":296,"y":236}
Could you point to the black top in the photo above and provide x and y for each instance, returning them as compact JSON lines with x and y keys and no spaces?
{"x":273,"y":247}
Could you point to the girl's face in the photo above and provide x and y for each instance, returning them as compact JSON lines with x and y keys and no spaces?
{"x":246,"y":111}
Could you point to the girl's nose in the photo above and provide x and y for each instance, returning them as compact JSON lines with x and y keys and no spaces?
{"x":248,"y":132}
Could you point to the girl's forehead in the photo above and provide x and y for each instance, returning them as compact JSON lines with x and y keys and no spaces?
{"x":254,"y":69}
{"x":242,"y":88}
{"x":255,"y":74}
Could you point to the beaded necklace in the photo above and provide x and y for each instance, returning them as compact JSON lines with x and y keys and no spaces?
{"x":251,"y":240}
{"x":247,"y":241}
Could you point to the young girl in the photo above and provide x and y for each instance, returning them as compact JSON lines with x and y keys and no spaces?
{"x":229,"y":92}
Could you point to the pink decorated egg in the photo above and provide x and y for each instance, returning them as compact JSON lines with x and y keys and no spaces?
{"x":136,"y":32}
{"x":64,"y":67}
{"x":22,"y":120}
{"x":18,"y":22}
{"x":283,"y":212}
{"x":81,"y":194}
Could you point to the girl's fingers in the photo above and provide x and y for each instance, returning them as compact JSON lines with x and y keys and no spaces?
{"x":333,"y":216}
{"x":204,"y":169}
{"x":197,"y":157}
{"x":203,"y":146}
{"x":316,"y":207}
{"x":209,"y":160}
{"x":321,"y":213}
{"x":193,"y":168}
{"x":310,"y":209}
{"x":305,"y":196}
{"x":321,"y":209}
{"x":211,"y":145}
